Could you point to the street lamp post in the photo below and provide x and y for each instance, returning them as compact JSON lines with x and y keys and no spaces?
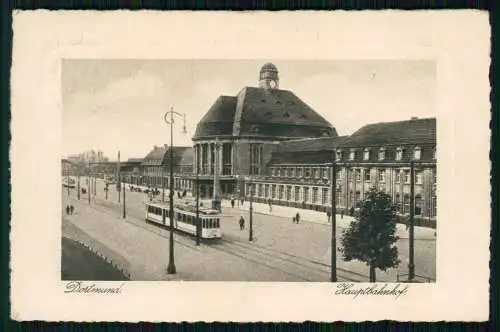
{"x":250,"y":231}
{"x":124,"y":211}
{"x":171,"y":264}
{"x":333,"y":274}
{"x":163,"y":183}
{"x":78,"y":185}
{"x":88,"y":185}
{"x":198,"y":221}
{"x":411,"y":263}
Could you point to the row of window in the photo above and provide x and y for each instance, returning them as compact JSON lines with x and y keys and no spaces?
{"x":417,"y":154}
{"x":307,"y":172}
{"x":322,"y":172}
{"x":284,"y":192}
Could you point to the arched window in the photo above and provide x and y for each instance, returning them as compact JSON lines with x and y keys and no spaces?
{"x":399,"y":153}
{"x":417,"y":152}
{"x":381,"y":154}
{"x":352,"y":154}
{"x":366,"y":154}
{"x":339,"y":155}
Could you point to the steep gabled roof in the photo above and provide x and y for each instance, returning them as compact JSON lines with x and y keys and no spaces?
{"x":155,"y":156}
{"x":259,"y":112}
{"x":219,"y":118}
{"x":262,"y":112}
{"x":187,"y":156}
{"x":306,"y":151}
{"x":415,"y":131}
{"x":177,"y":154}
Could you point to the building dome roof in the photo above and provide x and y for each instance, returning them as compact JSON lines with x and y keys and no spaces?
{"x":268,"y":67}
{"x":258,"y":113}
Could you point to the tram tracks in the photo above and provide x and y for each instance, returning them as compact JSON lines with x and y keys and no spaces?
{"x":301,"y":268}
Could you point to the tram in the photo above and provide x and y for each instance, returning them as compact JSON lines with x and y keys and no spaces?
{"x":69,"y":182}
{"x":185,"y":218}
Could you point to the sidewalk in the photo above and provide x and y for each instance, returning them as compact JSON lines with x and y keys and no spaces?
{"x":421,"y":233}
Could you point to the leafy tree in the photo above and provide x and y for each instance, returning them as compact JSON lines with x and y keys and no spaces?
{"x":371,"y":237}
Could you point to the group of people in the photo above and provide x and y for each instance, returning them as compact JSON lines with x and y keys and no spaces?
{"x":70,"y":209}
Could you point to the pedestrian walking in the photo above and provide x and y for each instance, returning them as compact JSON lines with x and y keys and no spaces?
{"x":270,"y":205}
{"x":71,"y":209}
{"x":293,"y":220}
{"x":232,"y":203}
{"x":328,"y":214}
{"x":242,"y":201}
{"x":242,"y":223}
{"x":67,"y":209}
{"x":342,"y":214}
{"x":297,"y":217}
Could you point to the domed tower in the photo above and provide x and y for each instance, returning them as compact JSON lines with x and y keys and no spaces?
{"x":268,"y":78}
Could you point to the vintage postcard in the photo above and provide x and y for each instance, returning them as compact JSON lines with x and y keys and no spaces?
{"x":246,"y":166}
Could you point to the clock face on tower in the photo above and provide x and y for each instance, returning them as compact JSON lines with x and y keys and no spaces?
{"x":272,"y":84}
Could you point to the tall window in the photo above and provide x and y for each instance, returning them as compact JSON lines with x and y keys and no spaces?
{"x":307,"y":172}
{"x":418,"y":205}
{"x":273,"y":191}
{"x":381,"y":154}
{"x":323,"y":172}
{"x":204,"y":158}
{"x":406,"y":203}
{"x":398,"y":202}
{"x":266,"y":190}
{"x":399,"y":153}
{"x":358,"y":175}
{"x":280,"y":192}
{"x":418,"y":177}
{"x":367,"y":175}
{"x":306,"y":194}
{"x":288,"y":193}
{"x":315,"y":195}
{"x":297,"y":193}
{"x":407,"y":176}
{"x":352,"y":154}
{"x":298,"y":172}
{"x":316,"y":172}
{"x":212,"y":156}
{"x":273,"y":171}
{"x":366,"y":154}
{"x":260,"y":190}
{"x":398,"y":176}
{"x":381,"y":175}
{"x":417,"y":152}
{"x":255,"y":159}
{"x":324,"y":196}
{"x":227,"y":155}
{"x":339,"y":155}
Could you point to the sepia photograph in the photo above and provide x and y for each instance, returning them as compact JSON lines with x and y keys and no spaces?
{"x":216,"y":170}
{"x":281,"y":165}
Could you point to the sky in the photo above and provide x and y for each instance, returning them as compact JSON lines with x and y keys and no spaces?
{"x":118,"y":105}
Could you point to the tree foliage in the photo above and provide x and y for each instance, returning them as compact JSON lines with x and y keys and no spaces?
{"x":371,"y":237}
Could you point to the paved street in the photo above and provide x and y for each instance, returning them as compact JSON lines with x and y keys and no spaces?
{"x":281,"y":251}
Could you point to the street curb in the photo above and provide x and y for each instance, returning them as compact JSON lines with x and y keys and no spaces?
{"x":83,"y":238}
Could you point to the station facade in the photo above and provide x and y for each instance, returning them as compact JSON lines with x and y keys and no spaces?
{"x":265,"y":142}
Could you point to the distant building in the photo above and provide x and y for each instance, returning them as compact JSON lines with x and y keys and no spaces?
{"x":156,"y":165}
